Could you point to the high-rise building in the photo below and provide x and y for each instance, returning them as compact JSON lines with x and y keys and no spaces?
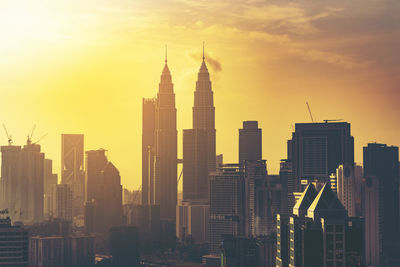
{"x":50,"y":179}
{"x":14,"y":243}
{"x":199,"y":155}
{"x":103,"y":192}
{"x":148,"y":146}
{"x":349,"y":180}
{"x":317,"y":149}
{"x":72,"y":168}
{"x":289,"y":184}
{"x":381,"y":162}
{"x":192,"y":220}
{"x":62,"y":202}
{"x":250,"y":141}
{"x":47,"y":251}
{"x":319,"y":233}
{"x":165,"y":176}
{"x":227,"y":204}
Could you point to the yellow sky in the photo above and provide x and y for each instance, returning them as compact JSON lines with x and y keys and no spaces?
{"x":84,"y":66}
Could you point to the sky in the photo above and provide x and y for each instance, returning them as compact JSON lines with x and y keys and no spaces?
{"x":84,"y":67}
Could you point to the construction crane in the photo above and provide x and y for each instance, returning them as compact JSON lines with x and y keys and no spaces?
{"x":43,"y":136}
{"x":29,"y":138}
{"x":326,"y":121}
{"x":309,"y":111}
{"x":10,"y":141}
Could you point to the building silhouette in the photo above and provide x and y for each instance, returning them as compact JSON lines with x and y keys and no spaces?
{"x":319,"y":233}
{"x":103,"y":192}
{"x":250,"y":141}
{"x":165,"y":174}
{"x":381,"y":171}
{"x":227,"y":204}
{"x":50,"y":179}
{"x":14,"y":242}
{"x":317,"y":149}
{"x":61,"y":206}
{"x":72,"y":168}
{"x":148,"y":146}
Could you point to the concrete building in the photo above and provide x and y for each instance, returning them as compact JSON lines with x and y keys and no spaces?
{"x":72,"y":169}
{"x":62,"y":202}
{"x":250,"y":141}
{"x":349,"y":182}
{"x":317,"y":149}
{"x":22,"y":182}
{"x":227,"y":204}
{"x":47,"y":251}
{"x":381,"y":171}
{"x":103,"y":192}
{"x":192,"y":220}
{"x":13,"y":244}
{"x":289,"y":184}
{"x":50,"y":179}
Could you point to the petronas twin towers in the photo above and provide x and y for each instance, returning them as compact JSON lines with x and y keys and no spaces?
{"x":159,"y":145}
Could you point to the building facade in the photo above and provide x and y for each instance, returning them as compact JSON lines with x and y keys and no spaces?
{"x":250,"y":141}
{"x":13,"y":244}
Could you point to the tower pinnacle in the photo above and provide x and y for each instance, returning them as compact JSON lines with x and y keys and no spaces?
{"x":203,"y":51}
{"x":166,"y":53}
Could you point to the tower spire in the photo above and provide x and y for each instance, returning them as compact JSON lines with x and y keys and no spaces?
{"x":166,"y":53}
{"x":203,"y":51}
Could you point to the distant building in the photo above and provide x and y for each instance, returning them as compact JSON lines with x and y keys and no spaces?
{"x":13,"y":244}
{"x":317,"y":149}
{"x":72,"y":169}
{"x":381,"y":171}
{"x":348,"y":188}
{"x":50,"y":179}
{"x":103,"y":192}
{"x":289,"y":183}
{"x":148,"y":149}
{"x":192,"y":220}
{"x":62,"y":201}
{"x":250,"y":141}
{"x":22,"y":182}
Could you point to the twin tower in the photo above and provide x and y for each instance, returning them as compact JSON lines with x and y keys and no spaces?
{"x":159,"y":145}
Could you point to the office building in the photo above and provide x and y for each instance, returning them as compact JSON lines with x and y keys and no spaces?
{"x":320,"y":233}
{"x":13,"y":244}
{"x":227,"y":204}
{"x":192,"y":220}
{"x":72,"y":169}
{"x":289,"y":184}
{"x":61,"y":207}
{"x":250,"y":141}
{"x":348,"y":184}
{"x":317,"y":149}
{"x":124,"y":246}
{"x":103,"y":192}
{"x":50,"y":179}
{"x":47,"y":251}
{"x":381,"y":171}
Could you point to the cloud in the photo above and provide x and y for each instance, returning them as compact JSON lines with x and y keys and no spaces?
{"x":211,"y":60}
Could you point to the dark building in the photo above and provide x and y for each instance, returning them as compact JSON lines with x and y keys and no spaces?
{"x":148,"y":138}
{"x":317,"y":149}
{"x":50,"y":179}
{"x":124,"y":246}
{"x":13,"y":244}
{"x":319,"y":233}
{"x":72,"y":169}
{"x":381,"y":171}
{"x":227,"y":204}
{"x":250,"y":141}
{"x":103,"y":192}
{"x":289,"y":185}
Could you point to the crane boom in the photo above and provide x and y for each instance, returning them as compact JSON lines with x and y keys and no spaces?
{"x":309,"y":111}
{"x":8,"y":136}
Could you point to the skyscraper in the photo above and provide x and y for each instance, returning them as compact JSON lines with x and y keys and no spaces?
{"x":50,"y":179}
{"x":199,"y":156}
{"x":165,"y":176}
{"x":62,"y":201}
{"x":148,"y":138}
{"x":317,"y":149}
{"x":103,"y":191}
{"x":381,"y":162}
{"x":72,"y":168}
{"x":250,"y":141}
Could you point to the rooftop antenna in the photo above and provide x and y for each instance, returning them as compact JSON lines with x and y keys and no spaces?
{"x":309,"y":111}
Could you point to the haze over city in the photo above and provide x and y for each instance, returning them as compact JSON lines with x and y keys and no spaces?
{"x":83,"y":67}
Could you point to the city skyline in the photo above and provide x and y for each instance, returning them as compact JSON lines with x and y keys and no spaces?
{"x":361,"y":85}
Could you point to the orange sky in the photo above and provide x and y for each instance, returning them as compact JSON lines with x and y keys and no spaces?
{"x":83,"y":67}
